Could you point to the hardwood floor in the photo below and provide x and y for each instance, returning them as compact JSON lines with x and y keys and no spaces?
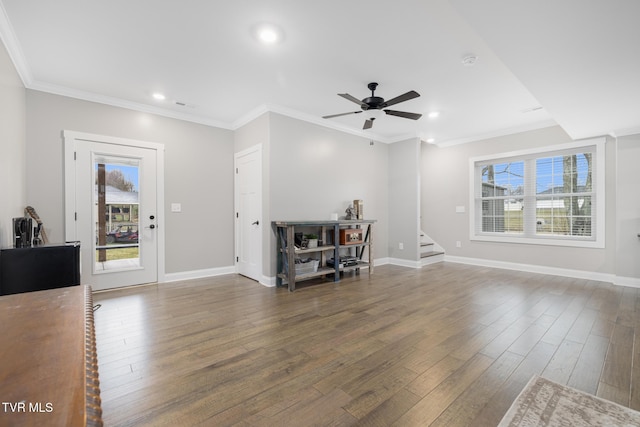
{"x":445,"y":345}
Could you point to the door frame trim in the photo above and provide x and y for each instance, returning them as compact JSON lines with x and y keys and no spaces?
{"x":254,"y":148}
{"x":70,"y":230}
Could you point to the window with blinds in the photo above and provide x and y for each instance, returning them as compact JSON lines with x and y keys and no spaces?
{"x":549,"y":196}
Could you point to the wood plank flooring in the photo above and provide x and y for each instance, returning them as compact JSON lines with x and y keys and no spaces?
{"x":445,"y":345}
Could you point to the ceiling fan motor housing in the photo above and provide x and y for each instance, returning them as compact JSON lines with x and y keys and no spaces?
{"x":373,"y":102}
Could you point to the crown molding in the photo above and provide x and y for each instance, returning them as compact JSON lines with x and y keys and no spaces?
{"x":8,"y":37}
{"x":118,"y":102}
{"x":309,"y":118}
{"x":249,"y":117}
{"x":498,"y":133}
{"x":624,"y":132}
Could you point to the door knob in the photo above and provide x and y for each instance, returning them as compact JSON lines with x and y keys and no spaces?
{"x":152,"y":217}
{"x":256,"y":222}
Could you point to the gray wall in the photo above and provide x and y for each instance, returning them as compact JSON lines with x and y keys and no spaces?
{"x":628,"y":207}
{"x":198,"y":173}
{"x":404,"y":199}
{"x":249,"y":135}
{"x":445,"y":185}
{"x":309,"y":172}
{"x":13,"y":188}
{"x":315,"y":171}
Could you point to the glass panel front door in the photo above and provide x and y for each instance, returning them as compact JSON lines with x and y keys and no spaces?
{"x":112,"y":195}
{"x":117,"y":208}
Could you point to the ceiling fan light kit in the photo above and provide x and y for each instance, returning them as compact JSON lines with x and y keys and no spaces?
{"x":375,"y":105}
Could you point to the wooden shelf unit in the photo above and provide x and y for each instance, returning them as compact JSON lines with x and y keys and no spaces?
{"x":329,"y":231}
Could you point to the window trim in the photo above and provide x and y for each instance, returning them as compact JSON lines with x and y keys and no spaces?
{"x":599,"y":194}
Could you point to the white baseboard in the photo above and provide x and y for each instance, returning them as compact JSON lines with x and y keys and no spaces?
{"x":199,"y":274}
{"x":632,"y":282}
{"x":405,"y":263}
{"x":540,"y":269}
{"x":270,"y":282}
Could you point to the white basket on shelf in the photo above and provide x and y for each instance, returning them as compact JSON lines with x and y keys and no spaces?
{"x":307,"y":267}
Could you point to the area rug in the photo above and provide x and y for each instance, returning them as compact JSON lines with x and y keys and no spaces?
{"x":548,"y":404}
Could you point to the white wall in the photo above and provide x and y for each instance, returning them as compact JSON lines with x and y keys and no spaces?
{"x":404,"y":200}
{"x":445,"y":185}
{"x":315,"y":171}
{"x":198,"y":173}
{"x":12,"y":148}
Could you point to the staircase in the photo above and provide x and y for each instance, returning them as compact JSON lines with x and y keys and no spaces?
{"x":430,"y":251}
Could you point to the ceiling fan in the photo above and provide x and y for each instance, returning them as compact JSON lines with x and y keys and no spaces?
{"x":375,"y":103}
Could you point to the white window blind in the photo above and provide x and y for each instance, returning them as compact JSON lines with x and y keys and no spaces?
{"x":548,"y":196}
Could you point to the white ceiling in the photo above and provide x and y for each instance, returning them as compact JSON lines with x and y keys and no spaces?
{"x":574,"y":58}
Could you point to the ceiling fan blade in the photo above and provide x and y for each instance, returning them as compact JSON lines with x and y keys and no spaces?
{"x":352,"y":99}
{"x":341,"y":114}
{"x":368,"y":124}
{"x":412,"y":116}
{"x":405,"y":97}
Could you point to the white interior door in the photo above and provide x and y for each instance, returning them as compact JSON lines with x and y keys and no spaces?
{"x":115,"y":212}
{"x":248,"y":196}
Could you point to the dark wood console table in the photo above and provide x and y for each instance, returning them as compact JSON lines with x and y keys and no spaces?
{"x":48,"y":362}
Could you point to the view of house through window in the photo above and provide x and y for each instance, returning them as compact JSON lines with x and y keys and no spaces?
{"x":502,"y":192}
{"x":541,"y":195}
{"x":117,"y":220}
{"x":563,"y":195}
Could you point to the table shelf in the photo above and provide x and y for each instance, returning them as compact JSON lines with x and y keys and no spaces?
{"x":330,"y":233}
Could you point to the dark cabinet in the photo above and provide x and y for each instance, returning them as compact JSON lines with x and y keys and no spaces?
{"x":39,"y":267}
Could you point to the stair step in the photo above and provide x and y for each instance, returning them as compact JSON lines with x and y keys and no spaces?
{"x":430,"y":253}
{"x":423,"y":244}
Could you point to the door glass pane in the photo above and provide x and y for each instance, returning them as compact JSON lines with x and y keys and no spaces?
{"x":116,"y":204}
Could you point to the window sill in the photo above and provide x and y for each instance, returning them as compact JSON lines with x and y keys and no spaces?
{"x":592,"y":244}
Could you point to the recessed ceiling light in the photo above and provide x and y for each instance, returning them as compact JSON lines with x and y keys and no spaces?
{"x":434,"y":114}
{"x":158,"y":96}
{"x":268,"y":34}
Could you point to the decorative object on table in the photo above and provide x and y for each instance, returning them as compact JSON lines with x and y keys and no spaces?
{"x":358,"y":206}
{"x":344,"y":261}
{"x":350,"y":213}
{"x":33,"y":214}
{"x":22,"y":232}
{"x":546,"y":403}
{"x":351,"y":236}
{"x":334,"y":216}
{"x":312,"y":240}
{"x":37,"y":239}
